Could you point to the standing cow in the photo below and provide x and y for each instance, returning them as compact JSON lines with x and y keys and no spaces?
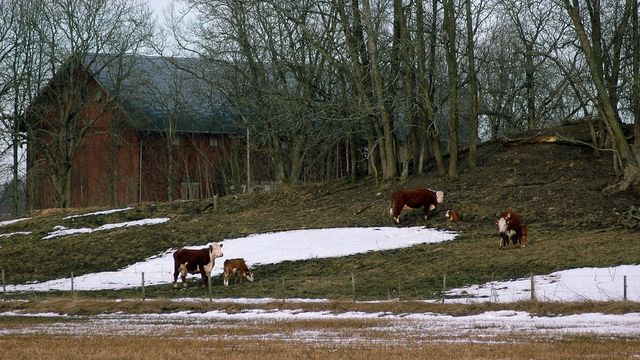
{"x":239,"y":267}
{"x":415,"y":199}
{"x":510,"y":228}
{"x":193,"y":261}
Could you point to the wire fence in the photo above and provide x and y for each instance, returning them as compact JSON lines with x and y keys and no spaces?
{"x":590,"y":284}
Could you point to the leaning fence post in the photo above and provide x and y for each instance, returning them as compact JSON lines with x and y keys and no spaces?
{"x":624,"y":280}
{"x":444,"y":286}
{"x":143,"y":286}
{"x":209,"y":284}
{"x":533,"y":289}
{"x":353,"y":287}
{"x":283,"y":296}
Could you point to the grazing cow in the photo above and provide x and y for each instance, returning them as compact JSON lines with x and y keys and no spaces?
{"x":415,"y":199}
{"x":452,"y":215}
{"x":239,"y":267}
{"x":193,"y":261}
{"x":510,"y":228}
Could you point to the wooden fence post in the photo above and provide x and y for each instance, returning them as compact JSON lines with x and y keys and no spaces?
{"x":444,"y":286}
{"x":215,"y":203}
{"x":4,"y":286}
{"x":143,"y":286}
{"x":283,"y":296}
{"x":624,"y":287}
{"x":533,"y":289}
{"x":72,"y":283}
{"x":353,"y":287}
{"x":209,"y":282}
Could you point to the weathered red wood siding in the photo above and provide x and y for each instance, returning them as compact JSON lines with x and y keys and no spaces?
{"x":195,"y":159}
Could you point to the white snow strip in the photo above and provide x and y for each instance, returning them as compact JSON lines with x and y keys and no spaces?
{"x":63,"y":231}
{"x":105,"y":212}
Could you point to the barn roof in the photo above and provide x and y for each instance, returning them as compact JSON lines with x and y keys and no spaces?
{"x":164,"y":93}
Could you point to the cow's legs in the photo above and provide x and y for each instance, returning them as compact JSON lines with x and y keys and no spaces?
{"x":175,"y":276}
{"x":226,"y":276}
{"x":203,"y":274}
{"x":183,"y":272}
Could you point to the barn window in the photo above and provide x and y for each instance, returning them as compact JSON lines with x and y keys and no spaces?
{"x":98,"y":96}
{"x":213,"y":141}
{"x":189,"y":190}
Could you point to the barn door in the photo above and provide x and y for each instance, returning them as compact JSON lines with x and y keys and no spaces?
{"x":189,"y":190}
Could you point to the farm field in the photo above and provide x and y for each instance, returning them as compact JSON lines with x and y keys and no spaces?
{"x":300,"y":331}
{"x":557,"y":189}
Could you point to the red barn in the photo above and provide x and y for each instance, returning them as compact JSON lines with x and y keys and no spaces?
{"x":129,"y":129}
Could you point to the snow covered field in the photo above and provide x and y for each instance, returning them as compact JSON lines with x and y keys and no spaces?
{"x":598,"y":284}
{"x":382,"y":328}
{"x":569,"y":285}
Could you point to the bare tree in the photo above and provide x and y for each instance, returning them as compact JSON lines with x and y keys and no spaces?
{"x":76,"y":36}
{"x":449,"y":39}
{"x":425,"y":84}
{"x":635,"y":58}
{"x":604,"y":62}
{"x":473,"y":80}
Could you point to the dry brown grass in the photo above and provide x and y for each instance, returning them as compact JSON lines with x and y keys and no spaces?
{"x":90,"y":306}
{"x":169,"y":347}
{"x":85,"y":335}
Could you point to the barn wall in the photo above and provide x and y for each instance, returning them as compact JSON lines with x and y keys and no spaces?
{"x":91,"y":174}
{"x":194,"y":159}
{"x":190,"y":174}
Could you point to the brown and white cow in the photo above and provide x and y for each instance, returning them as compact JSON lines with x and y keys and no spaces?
{"x":239,"y":267}
{"x":415,"y":199}
{"x":509,"y":228}
{"x":193,"y":261}
{"x":452,"y":215}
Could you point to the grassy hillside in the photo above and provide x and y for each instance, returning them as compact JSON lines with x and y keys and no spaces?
{"x":556,"y":188}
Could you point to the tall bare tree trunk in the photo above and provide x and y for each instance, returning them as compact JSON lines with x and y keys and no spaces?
{"x":529,"y":70}
{"x":390,"y":167}
{"x":450,"y":50}
{"x":636,"y":77}
{"x":473,"y":137}
{"x":425,"y":93}
{"x":629,"y":161}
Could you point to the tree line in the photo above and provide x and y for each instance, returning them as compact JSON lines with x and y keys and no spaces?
{"x":335,"y":88}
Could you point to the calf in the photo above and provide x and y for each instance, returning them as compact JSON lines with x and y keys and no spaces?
{"x":193,"y":261}
{"x":524,"y":230}
{"x":239,"y":267}
{"x":415,"y":199}
{"x":452,"y":215}
{"x":509,"y":228}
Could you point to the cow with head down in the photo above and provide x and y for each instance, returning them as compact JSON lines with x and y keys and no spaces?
{"x":193,"y":261}
{"x":238,"y":267}
{"x":414,"y":198}
{"x":510,"y":229}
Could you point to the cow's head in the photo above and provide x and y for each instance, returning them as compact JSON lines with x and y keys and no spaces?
{"x":439,"y":196}
{"x":249,"y":275}
{"x":215,"y":250}
{"x":447,"y":214}
{"x":502,"y":225}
